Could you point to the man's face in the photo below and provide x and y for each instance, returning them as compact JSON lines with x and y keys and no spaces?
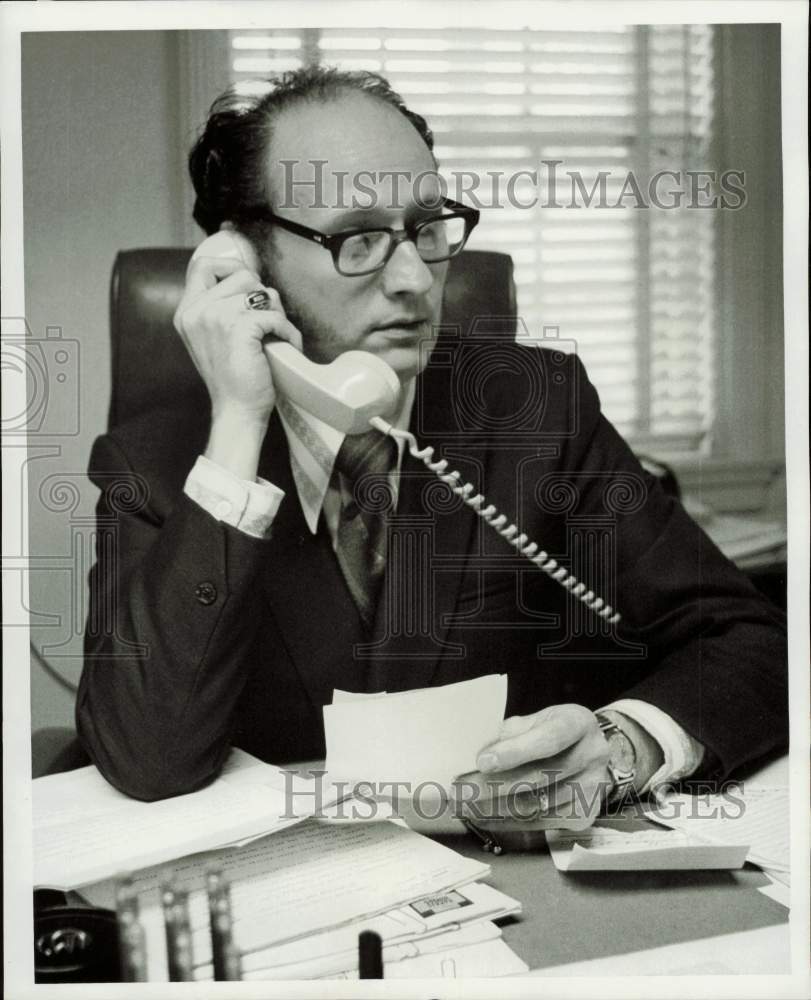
{"x":391,"y":312}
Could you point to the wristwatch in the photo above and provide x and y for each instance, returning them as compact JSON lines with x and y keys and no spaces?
{"x":621,"y":761}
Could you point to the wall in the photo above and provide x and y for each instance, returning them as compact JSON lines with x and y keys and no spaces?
{"x":103,"y":163}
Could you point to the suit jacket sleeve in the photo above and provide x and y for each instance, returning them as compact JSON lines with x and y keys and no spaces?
{"x":719,"y":647}
{"x":170,"y":620}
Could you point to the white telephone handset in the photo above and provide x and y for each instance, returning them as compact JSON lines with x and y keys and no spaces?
{"x":346,"y":393}
{"x":357,"y":389}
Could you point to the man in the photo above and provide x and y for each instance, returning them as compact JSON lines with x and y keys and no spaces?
{"x":249,"y":585}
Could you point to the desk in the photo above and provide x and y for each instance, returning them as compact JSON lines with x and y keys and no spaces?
{"x":635,"y":923}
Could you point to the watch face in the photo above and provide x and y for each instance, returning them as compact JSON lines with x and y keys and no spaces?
{"x":621,"y":751}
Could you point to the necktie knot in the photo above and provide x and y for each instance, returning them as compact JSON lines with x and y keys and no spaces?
{"x":371,"y":453}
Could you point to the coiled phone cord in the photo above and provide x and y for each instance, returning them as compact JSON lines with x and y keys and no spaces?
{"x":499,"y":522}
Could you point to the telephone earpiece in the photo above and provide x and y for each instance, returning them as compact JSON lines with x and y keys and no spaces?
{"x":228,"y":243}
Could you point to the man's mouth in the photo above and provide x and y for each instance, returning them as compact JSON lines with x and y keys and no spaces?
{"x":405,"y":325}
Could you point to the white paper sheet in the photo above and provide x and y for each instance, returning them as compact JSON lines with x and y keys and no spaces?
{"x":339,"y":696}
{"x":85,"y":830}
{"x":752,"y":814}
{"x":602,"y":848}
{"x":298,"y":882}
{"x":426,"y":735}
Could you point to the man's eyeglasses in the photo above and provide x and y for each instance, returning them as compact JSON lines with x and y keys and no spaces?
{"x":356,"y":252}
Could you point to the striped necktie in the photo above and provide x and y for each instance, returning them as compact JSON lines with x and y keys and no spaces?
{"x":362,"y":466}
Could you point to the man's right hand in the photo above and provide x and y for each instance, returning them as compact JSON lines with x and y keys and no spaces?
{"x":224,"y":339}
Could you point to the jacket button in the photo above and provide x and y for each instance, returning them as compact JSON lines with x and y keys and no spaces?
{"x":206,"y":593}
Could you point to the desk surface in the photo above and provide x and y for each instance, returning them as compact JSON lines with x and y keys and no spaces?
{"x":584,"y":916}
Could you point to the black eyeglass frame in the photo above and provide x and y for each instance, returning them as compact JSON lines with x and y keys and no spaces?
{"x":334,"y":241}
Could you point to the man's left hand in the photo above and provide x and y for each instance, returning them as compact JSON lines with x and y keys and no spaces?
{"x":547,"y":770}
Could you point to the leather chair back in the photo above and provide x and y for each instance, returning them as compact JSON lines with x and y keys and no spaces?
{"x":151,"y":367}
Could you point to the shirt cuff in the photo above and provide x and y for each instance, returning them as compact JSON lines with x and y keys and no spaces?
{"x":249,"y":507}
{"x":681,"y":752}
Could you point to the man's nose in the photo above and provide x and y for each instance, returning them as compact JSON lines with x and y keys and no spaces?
{"x":406,"y":271}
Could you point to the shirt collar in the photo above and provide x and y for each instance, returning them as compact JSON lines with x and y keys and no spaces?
{"x":313,"y":446}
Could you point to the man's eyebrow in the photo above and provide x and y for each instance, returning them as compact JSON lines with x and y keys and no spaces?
{"x":376,"y":217}
{"x":353,"y":217}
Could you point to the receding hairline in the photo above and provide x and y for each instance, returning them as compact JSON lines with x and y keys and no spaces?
{"x":341,"y":94}
{"x":344,"y":93}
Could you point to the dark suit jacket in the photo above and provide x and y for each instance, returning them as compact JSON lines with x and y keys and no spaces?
{"x":200,"y":637}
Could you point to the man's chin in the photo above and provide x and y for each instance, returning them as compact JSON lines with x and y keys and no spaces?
{"x":406,"y":365}
{"x":407,"y":360}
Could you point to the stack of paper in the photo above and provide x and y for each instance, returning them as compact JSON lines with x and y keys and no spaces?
{"x":475,"y":952}
{"x":85,"y":830}
{"x":415,"y":936}
{"x":300,"y":897}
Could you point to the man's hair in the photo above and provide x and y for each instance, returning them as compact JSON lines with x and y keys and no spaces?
{"x":228,"y":161}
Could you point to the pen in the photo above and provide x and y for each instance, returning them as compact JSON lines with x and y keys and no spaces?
{"x":131,"y":939}
{"x":178,"y":935}
{"x":370,"y":955}
{"x":226,"y":958}
{"x":489,"y":842}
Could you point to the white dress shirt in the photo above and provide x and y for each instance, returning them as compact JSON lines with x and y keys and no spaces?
{"x":313,"y":444}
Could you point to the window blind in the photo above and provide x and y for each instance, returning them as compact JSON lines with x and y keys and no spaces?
{"x":630,"y":288}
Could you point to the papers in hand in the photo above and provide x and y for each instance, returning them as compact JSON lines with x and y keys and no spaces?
{"x":425,"y":735}
{"x":85,"y":830}
{"x":609,"y":848}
